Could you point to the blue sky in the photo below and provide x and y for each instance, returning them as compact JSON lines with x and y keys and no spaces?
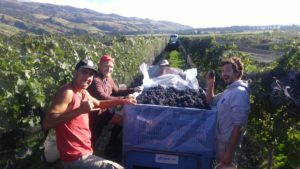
{"x":198,"y":13}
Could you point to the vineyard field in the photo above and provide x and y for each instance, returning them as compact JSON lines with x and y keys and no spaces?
{"x":33,"y":67}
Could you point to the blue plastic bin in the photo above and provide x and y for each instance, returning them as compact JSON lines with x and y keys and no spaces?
{"x":150,"y":130}
{"x":141,"y":159}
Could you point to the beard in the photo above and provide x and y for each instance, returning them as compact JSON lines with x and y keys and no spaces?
{"x":227,"y":80}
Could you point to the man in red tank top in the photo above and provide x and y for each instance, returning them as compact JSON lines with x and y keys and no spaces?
{"x":69,"y":115}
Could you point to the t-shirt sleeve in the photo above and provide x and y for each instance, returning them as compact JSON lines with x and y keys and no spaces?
{"x":99,"y":91}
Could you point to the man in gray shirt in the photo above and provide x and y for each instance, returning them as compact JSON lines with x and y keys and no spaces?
{"x":233,"y":107}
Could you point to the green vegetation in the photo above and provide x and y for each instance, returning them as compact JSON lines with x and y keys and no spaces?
{"x":33,"y":67}
{"x":9,"y":30}
{"x":273,"y":136}
{"x":176,"y":59}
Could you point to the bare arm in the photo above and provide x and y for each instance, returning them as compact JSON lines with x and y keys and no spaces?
{"x":60,"y":112}
{"x":210,"y":82}
{"x":110,"y":103}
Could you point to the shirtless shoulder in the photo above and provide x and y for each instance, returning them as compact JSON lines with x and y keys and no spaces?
{"x":63,"y":95}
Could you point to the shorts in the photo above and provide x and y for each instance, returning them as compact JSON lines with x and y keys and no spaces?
{"x":92,"y":162}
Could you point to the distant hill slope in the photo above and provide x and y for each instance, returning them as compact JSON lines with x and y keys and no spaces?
{"x":240,"y":29}
{"x":39,"y":18}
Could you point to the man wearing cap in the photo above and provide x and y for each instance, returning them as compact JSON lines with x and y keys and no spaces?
{"x":103,"y":87}
{"x":69,"y":115}
{"x":164,"y":68}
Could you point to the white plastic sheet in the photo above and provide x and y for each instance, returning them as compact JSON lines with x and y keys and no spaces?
{"x":186,"y":80}
{"x":50,"y":148}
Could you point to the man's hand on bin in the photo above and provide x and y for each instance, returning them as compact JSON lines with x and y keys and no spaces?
{"x":130,"y":100}
{"x":130,"y":96}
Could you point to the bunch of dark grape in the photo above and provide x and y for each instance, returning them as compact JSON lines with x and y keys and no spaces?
{"x":172,"y":97}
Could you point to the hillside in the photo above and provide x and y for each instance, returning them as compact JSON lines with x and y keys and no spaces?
{"x":39,"y":18}
{"x":240,"y":29}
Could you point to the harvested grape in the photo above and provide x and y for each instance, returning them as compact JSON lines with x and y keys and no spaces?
{"x":172,"y":97}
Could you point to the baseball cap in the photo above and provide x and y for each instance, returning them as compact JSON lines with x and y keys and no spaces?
{"x":88,"y":64}
{"x":164,"y":62}
{"x":106,"y":58}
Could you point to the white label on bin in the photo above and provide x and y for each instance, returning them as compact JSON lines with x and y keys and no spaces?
{"x":166,"y":159}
